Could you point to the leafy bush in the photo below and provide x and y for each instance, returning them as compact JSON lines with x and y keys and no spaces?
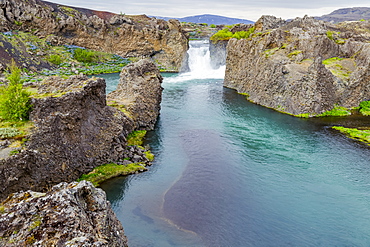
{"x":84,"y":55}
{"x":55,"y":59}
{"x":226,"y":34}
{"x":212,"y":26}
{"x":14,"y":100}
{"x":8,"y":132}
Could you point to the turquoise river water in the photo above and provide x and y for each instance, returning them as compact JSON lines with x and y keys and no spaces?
{"x":231,"y":173}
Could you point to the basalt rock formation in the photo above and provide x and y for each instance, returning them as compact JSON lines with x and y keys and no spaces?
{"x":140,"y":92}
{"x":75,"y":214}
{"x":305,"y":66}
{"x":128,"y":36}
{"x":76,"y":131}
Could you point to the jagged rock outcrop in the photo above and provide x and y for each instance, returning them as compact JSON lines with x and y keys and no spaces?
{"x":75,"y":214}
{"x":128,"y":36}
{"x":140,"y":92}
{"x":74,"y":132}
{"x":304,"y":66}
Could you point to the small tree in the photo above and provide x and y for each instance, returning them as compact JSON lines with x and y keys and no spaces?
{"x":14,"y":100}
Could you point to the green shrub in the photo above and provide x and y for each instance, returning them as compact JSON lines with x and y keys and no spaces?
{"x":226,"y":34}
{"x":14,"y":100}
{"x":212,"y":26}
{"x":84,"y":55}
{"x":55,"y":59}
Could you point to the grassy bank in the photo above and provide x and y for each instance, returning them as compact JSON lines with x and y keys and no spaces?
{"x":356,"y":134}
{"x":108,"y":171}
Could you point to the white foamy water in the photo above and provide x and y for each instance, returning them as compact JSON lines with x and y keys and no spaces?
{"x":199,"y":64}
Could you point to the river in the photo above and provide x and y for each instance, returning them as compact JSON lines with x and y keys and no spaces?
{"x":231,"y":173}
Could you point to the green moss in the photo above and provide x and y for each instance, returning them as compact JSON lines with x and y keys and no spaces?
{"x":8,"y":132}
{"x":335,"y":65}
{"x":149,"y":155}
{"x":294,"y":53}
{"x":303,"y":115}
{"x":2,"y":209}
{"x":365,"y":108}
{"x":361,"y":135}
{"x":337,"y":111}
{"x":136,"y":138}
{"x":108,"y":171}
{"x":270,"y":52}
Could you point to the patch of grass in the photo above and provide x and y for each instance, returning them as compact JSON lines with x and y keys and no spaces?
{"x":136,"y":138}
{"x":335,"y":65}
{"x":361,"y":135}
{"x":303,"y":115}
{"x":226,"y":34}
{"x":365,"y":108}
{"x":337,"y":111}
{"x":107,"y":171}
{"x":55,"y":59}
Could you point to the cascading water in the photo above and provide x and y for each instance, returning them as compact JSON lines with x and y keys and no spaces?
{"x":199,"y":64}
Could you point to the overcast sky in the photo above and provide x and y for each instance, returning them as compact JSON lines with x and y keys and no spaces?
{"x":245,"y":9}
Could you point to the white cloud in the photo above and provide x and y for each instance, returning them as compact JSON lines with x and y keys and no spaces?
{"x":246,"y":9}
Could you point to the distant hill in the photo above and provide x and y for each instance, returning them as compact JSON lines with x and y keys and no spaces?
{"x":209,"y":19}
{"x":347,"y":14}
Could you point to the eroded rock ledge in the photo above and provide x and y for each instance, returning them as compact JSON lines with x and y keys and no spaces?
{"x":75,"y":214}
{"x":129,"y":36}
{"x":304,"y":66}
{"x":76,"y":131}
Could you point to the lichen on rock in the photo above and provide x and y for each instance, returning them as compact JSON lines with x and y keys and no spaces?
{"x":74,"y":214}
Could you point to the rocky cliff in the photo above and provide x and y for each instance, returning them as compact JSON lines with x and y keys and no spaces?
{"x":140,"y":92}
{"x":304,"y":66}
{"x":76,"y":131}
{"x":75,"y":214}
{"x":129,"y":36}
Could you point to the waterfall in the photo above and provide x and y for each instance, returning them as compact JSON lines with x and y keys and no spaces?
{"x":200,"y":64}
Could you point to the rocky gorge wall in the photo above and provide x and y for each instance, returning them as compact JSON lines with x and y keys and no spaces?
{"x":129,"y":36}
{"x":304,"y":66}
{"x":75,"y":130}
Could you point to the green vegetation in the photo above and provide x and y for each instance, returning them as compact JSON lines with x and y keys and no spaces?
{"x":8,"y":132}
{"x":365,"y":108}
{"x":337,"y":111}
{"x":333,"y":36}
{"x":212,"y":26}
{"x":14,"y":100}
{"x":226,"y":34}
{"x":136,"y":138}
{"x":55,"y":59}
{"x":149,"y":155}
{"x":337,"y":66}
{"x":87,"y":56}
{"x":361,"y":135}
{"x":293,"y":53}
{"x":2,"y":209}
{"x":303,"y":115}
{"x":107,"y":171}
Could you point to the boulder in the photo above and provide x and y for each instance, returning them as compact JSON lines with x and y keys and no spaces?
{"x":75,"y":214}
{"x":140,"y":92}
